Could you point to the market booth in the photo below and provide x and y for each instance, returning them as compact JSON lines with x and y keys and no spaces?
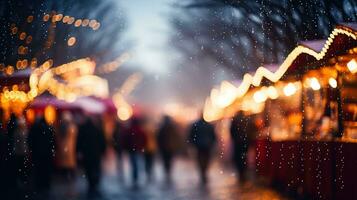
{"x":311,"y":142}
{"x":14,"y":92}
{"x":309,"y":105}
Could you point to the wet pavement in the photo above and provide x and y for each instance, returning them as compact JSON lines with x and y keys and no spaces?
{"x":184,"y":186}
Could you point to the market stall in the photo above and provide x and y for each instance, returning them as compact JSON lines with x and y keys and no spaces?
{"x":309,"y":106}
{"x":310,"y":149}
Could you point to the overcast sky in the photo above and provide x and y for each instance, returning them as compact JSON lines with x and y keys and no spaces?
{"x":164,"y":81}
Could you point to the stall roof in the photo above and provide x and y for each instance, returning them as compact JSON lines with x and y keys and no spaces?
{"x":45,"y":99}
{"x":312,"y":54}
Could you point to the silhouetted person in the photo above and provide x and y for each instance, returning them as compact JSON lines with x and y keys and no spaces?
{"x":11,"y":172}
{"x":241,"y":128}
{"x":118,"y":146}
{"x":66,"y":139}
{"x":168,"y":141}
{"x":135,"y":142}
{"x":42,"y":146}
{"x":202,"y":136}
{"x":7,"y":162}
{"x":91,"y":146}
{"x":150,"y":148}
{"x":21,"y":152}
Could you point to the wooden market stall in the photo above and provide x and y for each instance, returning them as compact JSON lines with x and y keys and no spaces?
{"x":14,"y":92}
{"x":309,"y":105}
{"x":316,"y":159}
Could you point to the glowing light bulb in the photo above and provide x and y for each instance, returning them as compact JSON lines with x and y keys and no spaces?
{"x":352,"y":66}
{"x":289,"y":89}
{"x":71,"y":41}
{"x":124,"y":113}
{"x":332,"y":82}
{"x":259,"y":96}
{"x":314,"y":84}
{"x":272,"y":92}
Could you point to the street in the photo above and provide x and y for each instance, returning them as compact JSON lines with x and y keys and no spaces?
{"x":185,"y":185}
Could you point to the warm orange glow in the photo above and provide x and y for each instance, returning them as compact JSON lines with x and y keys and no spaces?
{"x":85,"y":22}
{"x":70,"y":20}
{"x":9,"y":70}
{"x":352,"y":66}
{"x":114,"y":65}
{"x":92,"y":23}
{"x":124,"y":113}
{"x":272,"y":92}
{"x":71,"y":41}
{"x":46,"y":17}
{"x":50,"y":114}
{"x":259,"y":96}
{"x":14,"y":30}
{"x":22,"y":36}
{"x":29,"y":39}
{"x":290,"y":89}
{"x":30,"y":116}
{"x":30,"y":19}
{"x":18,"y":64}
{"x":59,"y":17}
{"x":332,"y":82}
{"x":78,"y":23}
{"x":314,"y":84}
{"x":33,"y":63}
{"x":65,"y":19}
{"x":96,"y":26}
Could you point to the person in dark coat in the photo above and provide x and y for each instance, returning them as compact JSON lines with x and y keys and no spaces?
{"x":91,"y":147}
{"x":42,"y":147}
{"x":117,"y":142}
{"x":7,"y":164}
{"x":202,"y":136}
{"x":134,"y":143}
{"x":242,"y":127}
{"x":168,"y":141}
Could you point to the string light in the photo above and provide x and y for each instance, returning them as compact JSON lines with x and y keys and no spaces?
{"x":14,"y":30}
{"x":29,"y":39}
{"x":29,"y":19}
{"x":289,"y":89}
{"x":262,"y":72}
{"x":272,"y":92}
{"x":71,"y":41}
{"x":314,"y":84}
{"x":352,"y":66}
{"x":22,"y":36}
{"x":332,"y":82}
{"x":46,"y":17}
{"x":259,"y":96}
{"x":114,"y":65}
{"x":78,"y":23}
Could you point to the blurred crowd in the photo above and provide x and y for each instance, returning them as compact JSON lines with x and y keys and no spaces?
{"x":31,"y":153}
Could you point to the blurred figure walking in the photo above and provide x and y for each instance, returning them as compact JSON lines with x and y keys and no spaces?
{"x":91,"y":147}
{"x":202,"y":136}
{"x":10,"y":172}
{"x":135,"y":141}
{"x":150,"y":148}
{"x":117,"y":142}
{"x":66,"y":139}
{"x":21,"y":152}
{"x":242,"y":127}
{"x":168,"y":141}
{"x":42,"y":146}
